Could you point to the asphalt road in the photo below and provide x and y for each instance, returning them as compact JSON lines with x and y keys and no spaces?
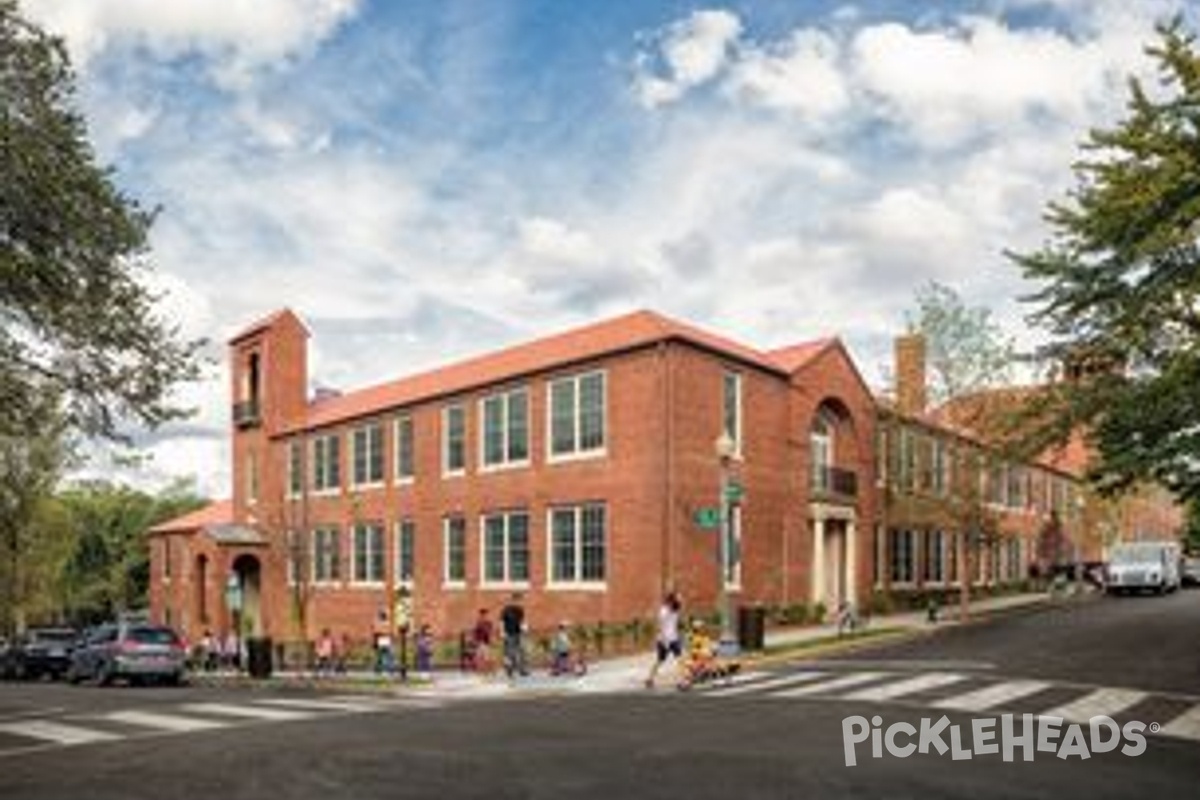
{"x":749,"y":741}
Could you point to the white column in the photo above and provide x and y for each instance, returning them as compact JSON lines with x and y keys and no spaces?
{"x":818,"y":568}
{"x":851,"y":582}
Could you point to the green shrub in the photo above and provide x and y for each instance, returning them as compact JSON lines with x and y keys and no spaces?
{"x":818,"y":613}
{"x":881,"y":602}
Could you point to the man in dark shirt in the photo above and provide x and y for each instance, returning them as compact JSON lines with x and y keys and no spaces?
{"x":512,"y":620}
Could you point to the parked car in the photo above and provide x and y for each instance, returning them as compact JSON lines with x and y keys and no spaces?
{"x":135,"y":652}
{"x":38,"y":652}
{"x":1189,"y":572}
{"x":1134,"y":566}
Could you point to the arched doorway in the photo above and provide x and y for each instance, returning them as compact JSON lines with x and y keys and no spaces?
{"x":833,"y":489}
{"x":246,"y":605}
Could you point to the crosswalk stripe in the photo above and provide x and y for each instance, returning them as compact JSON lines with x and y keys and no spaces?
{"x":249,"y":712}
{"x":1102,"y":702}
{"x":348,"y":706}
{"x":166,"y":722}
{"x":992,"y":696}
{"x":912,"y":685}
{"x":1185,"y":726}
{"x":835,"y":685}
{"x":746,"y":687}
{"x":57,"y":732}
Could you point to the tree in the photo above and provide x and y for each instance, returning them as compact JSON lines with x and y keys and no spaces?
{"x":1119,"y":288}
{"x":30,"y":466}
{"x":966,"y":350}
{"x":76,"y":318}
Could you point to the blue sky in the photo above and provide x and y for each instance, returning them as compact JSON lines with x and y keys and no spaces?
{"x":425,"y":180}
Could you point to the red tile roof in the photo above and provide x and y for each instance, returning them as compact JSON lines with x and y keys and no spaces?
{"x":266,"y":322}
{"x":218,"y":512}
{"x":627,"y":332}
{"x":799,"y":355}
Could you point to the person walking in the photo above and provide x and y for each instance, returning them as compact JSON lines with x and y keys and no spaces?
{"x":325,"y":650}
{"x":424,"y":647}
{"x":667,"y":643}
{"x":512,"y":622}
{"x":481,"y":641}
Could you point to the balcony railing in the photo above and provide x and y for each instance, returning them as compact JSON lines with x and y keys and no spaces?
{"x":834,"y":483}
{"x":246,"y":414}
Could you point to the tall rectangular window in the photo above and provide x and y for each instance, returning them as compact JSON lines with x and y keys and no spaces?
{"x":505,"y":438}
{"x":326,"y":555}
{"x":938,"y":466}
{"x":368,"y":553}
{"x":903,"y":545}
{"x":578,"y":415}
{"x":506,"y":548}
{"x":951,"y":557}
{"x":731,"y":408}
{"x":405,"y":449}
{"x":295,"y":470}
{"x":578,"y":544}
{"x":327,"y":463}
{"x":933,"y":546}
{"x":368,"y":455}
{"x":252,"y":477}
{"x":406,"y":540}
{"x":733,"y":547}
{"x":454,"y":440}
{"x":454,"y":550}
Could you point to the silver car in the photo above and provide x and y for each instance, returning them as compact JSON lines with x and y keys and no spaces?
{"x":134,"y":652}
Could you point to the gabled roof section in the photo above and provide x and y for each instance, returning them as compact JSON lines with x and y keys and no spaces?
{"x":218,"y":512}
{"x":798,"y":356}
{"x":267,"y":322}
{"x":619,"y":334}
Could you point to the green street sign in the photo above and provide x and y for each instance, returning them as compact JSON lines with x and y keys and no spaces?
{"x":734,"y":492}
{"x":708,"y":518}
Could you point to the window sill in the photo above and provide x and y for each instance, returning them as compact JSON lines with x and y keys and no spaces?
{"x":505,"y":466}
{"x":458,"y":473}
{"x":454,"y":585}
{"x":327,"y":492}
{"x":504,"y":586}
{"x":408,"y":480}
{"x":367,"y":487}
{"x":585,"y":455}
{"x":579,"y":586}
{"x":366,"y":585}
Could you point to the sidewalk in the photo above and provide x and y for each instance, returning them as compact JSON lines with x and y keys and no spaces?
{"x":620,"y":673}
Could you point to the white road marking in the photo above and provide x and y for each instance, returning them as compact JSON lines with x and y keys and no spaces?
{"x":166,"y":722}
{"x":992,"y":696}
{"x":746,"y":687}
{"x":910,"y":685}
{"x":57,"y":732}
{"x":355,"y":706}
{"x":1102,"y":702}
{"x":1185,"y":726}
{"x":249,"y":712}
{"x":835,"y":685}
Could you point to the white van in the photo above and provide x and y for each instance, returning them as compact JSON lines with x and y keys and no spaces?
{"x":1134,"y":566}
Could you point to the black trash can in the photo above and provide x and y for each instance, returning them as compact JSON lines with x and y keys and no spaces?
{"x":752,"y":621}
{"x":258,"y":657}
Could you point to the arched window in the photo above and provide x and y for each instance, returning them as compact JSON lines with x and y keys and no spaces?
{"x":821,"y":447}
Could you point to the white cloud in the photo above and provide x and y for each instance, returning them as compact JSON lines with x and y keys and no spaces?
{"x":692,"y":52}
{"x":803,"y":74}
{"x":239,"y":36}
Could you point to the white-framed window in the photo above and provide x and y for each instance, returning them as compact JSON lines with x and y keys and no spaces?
{"x":902,"y":553}
{"x":578,"y":416}
{"x":405,"y":449}
{"x":938,"y":462}
{"x":578,"y":545}
{"x":405,"y":550}
{"x":367,"y":452}
{"x":326,"y":555}
{"x":454,"y":440}
{"x":906,"y":461}
{"x":295,"y":468}
{"x":933,"y":547}
{"x":454,"y":551}
{"x":820,"y":441}
{"x":504,"y":440}
{"x":505,"y":548}
{"x":327,"y":463}
{"x":368,"y":553}
{"x":731,"y":409}
{"x":733,"y":548}
{"x":952,"y":542}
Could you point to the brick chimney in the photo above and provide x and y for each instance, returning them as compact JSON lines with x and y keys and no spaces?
{"x":911,"y":397}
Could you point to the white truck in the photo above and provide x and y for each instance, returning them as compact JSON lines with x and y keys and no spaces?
{"x":1134,"y":566}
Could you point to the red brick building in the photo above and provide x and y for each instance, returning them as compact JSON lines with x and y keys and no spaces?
{"x":571,"y":468}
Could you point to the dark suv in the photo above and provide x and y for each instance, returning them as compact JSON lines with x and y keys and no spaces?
{"x":136,"y":652}
{"x":40,"y":651}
